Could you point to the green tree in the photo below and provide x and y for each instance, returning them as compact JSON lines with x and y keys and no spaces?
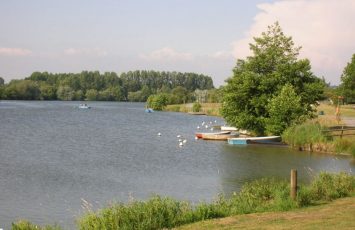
{"x":48,"y":92}
{"x":91,"y":95}
{"x":65,"y":93}
{"x":158,"y":101}
{"x":347,"y":87}
{"x":261,"y":77}
{"x":181,"y":94}
{"x":284,"y":110}
{"x":2,"y":88}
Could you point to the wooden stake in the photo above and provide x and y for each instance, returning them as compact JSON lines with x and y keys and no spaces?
{"x":293,"y":192}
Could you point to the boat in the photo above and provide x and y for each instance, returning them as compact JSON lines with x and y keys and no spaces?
{"x":254,"y":140}
{"x":201,"y":135}
{"x":219,"y":137}
{"x":149,"y":110}
{"x":228,"y":128}
{"x":84,"y":106}
{"x":197,"y":113}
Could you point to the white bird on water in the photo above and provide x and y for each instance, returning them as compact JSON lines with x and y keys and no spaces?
{"x":198,"y":127}
{"x":184,"y":141}
{"x":178,"y":136}
{"x":181,"y":144}
{"x":159,"y":134}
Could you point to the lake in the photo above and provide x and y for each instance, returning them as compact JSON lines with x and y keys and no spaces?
{"x":55,"y":156}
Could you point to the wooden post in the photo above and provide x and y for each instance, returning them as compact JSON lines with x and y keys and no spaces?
{"x":293,"y":191}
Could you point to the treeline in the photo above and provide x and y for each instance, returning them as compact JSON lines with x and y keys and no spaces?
{"x":92,"y":85}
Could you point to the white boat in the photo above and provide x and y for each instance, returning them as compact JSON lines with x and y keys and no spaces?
{"x":202,"y":135}
{"x":84,"y":106}
{"x":254,"y":140}
{"x":228,"y":128}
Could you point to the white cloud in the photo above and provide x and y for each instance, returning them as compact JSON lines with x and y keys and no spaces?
{"x":14,"y":51}
{"x":98,"y":52}
{"x":221,"y":55}
{"x":167,"y":53}
{"x":322,"y":27}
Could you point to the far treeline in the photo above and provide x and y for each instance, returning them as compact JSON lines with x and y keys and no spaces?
{"x":135,"y":86}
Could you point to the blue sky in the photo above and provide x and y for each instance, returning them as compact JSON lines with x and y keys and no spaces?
{"x":203,"y":36}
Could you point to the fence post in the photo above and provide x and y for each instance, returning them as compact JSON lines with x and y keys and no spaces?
{"x":293,"y":191}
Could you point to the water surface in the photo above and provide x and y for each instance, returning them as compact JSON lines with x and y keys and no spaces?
{"x":54,"y":156}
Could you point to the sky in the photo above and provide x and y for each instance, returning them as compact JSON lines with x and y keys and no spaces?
{"x":201,"y":36}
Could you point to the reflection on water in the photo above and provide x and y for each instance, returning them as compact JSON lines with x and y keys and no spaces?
{"x":53,"y":155}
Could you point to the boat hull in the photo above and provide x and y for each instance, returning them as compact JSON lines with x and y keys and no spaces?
{"x":254,"y":140}
{"x":218,"y":137}
{"x":202,"y":135}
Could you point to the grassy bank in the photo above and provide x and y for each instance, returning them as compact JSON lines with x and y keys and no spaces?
{"x":263,"y":195}
{"x":336,"y":215}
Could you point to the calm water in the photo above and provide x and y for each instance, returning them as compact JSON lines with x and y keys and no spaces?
{"x":54,"y":156}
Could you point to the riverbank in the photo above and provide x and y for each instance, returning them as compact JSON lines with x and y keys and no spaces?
{"x":335,"y":215}
{"x":261,"y":196}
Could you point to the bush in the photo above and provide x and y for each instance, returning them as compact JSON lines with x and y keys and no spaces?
{"x":25,"y":225}
{"x":304,"y":136}
{"x":329,"y":186}
{"x":196,"y":107}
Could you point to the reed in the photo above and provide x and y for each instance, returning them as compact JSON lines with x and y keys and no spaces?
{"x":26,"y":225}
{"x":306,"y":136}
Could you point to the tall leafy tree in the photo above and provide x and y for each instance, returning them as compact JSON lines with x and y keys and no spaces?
{"x":260,"y":77}
{"x":347,"y":87}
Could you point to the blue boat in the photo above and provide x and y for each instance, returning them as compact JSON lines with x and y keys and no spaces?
{"x":254,"y":140}
{"x":149,"y":110}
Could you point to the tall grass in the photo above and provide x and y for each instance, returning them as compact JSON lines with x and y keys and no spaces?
{"x":26,"y":225}
{"x":306,"y":136}
{"x":257,"y":196}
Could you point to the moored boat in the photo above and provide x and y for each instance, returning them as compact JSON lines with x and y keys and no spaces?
{"x":254,"y":140}
{"x":228,"y":128}
{"x":202,"y":135}
{"x":219,"y":137}
{"x":84,"y":106}
{"x":149,"y":110}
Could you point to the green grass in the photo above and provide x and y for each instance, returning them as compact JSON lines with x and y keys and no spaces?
{"x":262,"y":195}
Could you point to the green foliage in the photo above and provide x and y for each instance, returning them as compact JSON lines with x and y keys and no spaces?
{"x":158,"y":101}
{"x":133,"y":86}
{"x":165,"y":213}
{"x":284,"y":110}
{"x":65,"y":93}
{"x":196,"y":107}
{"x":22,"y":90}
{"x":261,"y":77}
{"x":329,"y":186}
{"x":25,"y":225}
{"x":304,"y":135}
{"x":342,"y":145}
{"x":348,"y":81}
{"x":91,"y":95}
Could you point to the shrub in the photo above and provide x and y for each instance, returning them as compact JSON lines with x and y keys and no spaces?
{"x":196,"y":107}
{"x":304,"y":136}
{"x":329,"y":186}
{"x":25,"y":225}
